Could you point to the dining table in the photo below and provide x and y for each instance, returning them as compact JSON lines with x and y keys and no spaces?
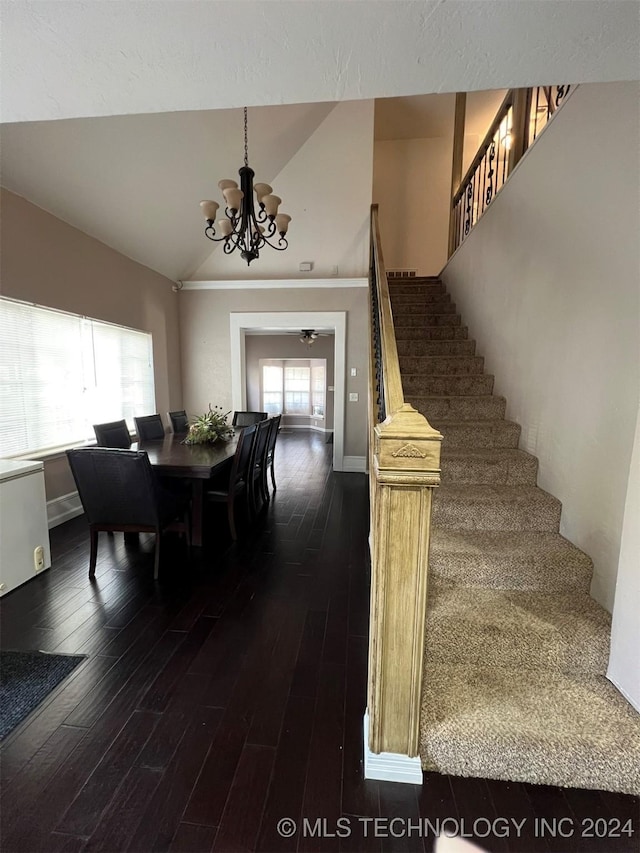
{"x":196,"y":463}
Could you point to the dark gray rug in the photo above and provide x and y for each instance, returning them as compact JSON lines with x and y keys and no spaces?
{"x":26,"y":678}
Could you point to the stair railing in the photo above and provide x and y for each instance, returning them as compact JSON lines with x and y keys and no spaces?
{"x":404,"y":468}
{"x":520,"y":118}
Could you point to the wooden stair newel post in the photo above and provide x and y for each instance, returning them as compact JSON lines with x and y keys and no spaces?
{"x":406,"y":469}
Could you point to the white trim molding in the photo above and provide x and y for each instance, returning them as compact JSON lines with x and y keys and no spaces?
{"x":389,"y":766}
{"x":355,"y":464}
{"x":278,"y":321}
{"x":275,"y":284}
{"x":63,"y":508}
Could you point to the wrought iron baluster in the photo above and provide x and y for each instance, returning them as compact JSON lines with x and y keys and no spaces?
{"x":492,"y":157}
{"x":467,"y":221}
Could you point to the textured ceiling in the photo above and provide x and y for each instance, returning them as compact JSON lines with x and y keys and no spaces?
{"x":88,"y":58}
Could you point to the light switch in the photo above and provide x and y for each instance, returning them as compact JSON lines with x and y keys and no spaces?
{"x":354,"y":371}
{"x":353,"y":397}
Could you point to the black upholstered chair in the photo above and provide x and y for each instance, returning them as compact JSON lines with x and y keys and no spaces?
{"x":271,"y":449}
{"x":179,"y":421}
{"x":120,"y":492}
{"x":113,"y":434}
{"x":237,"y":484}
{"x":241,"y":419}
{"x":258,"y":459}
{"x":149,"y":427}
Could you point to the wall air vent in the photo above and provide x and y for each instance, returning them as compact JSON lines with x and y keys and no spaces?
{"x":402,"y":273}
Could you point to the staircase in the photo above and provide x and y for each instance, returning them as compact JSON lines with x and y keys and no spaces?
{"x":516,"y":650}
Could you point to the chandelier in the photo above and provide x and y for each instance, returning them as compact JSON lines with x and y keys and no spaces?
{"x":244,"y":228}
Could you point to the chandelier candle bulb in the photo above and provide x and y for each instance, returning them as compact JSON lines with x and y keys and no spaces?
{"x":247,"y":227}
{"x":210,"y":210}
{"x":261,"y":191}
{"x":271,"y":203}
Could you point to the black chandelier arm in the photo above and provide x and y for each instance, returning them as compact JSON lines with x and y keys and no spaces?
{"x":210,"y":231}
{"x":282,"y":243}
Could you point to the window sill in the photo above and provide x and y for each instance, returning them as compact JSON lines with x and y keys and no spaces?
{"x":55,"y":452}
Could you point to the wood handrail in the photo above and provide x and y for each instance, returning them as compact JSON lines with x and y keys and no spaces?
{"x":392,"y":388}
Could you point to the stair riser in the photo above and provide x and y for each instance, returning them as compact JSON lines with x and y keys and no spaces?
{"x":430,"y":348}
{"x":445,"y":386}
{"x":422,"y":308}
{"x":499,"y":514}
{"x":431,"y":333}
{"x":490,"y":434}
{"x":493,"y":641}
{"x":417,"y":290}
{"x":424,"y":321}
{"x":502,"y":472}
{"x":442,"y":365}
{"x":460,"y":408}
{"x":427,"y":298}
{"x":533,"y":574}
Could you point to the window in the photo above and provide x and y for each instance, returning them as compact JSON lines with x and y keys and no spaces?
{"x":293,"y":387}
{"x":61,"y":373}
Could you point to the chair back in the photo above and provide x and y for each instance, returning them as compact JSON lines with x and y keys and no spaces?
{"x":179,"y":421}
{"x":241,"y":419}
{"x":149,"y":427}
{"x":260,"y":446}
{"x":115,"y":486}
{"x":113,"y":434}
{"x":273,"y":436}
{"x":243,"y":456}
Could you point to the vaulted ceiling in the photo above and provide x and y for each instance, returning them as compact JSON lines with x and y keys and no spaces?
{"x":120,"y":117}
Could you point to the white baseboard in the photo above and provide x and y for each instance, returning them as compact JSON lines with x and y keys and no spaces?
{"x":63,"y":508}
{"x":305,"y":426}
{"x":389,"y":766}
{"x":355,"y":464}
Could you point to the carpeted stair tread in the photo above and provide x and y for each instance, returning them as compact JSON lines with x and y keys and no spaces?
{"x":425,"y":298}
{"x":517,"y":560}
{"x":495,"y":507}
{"x":440,"y":348}
{"x":442,"y":365}
{"x":440,"y":306}
{"x":424,"y":320}
{"x":554,"y":729}
{"x":478,"y":434}
{"x":499,"y":465}
{"x":513,"y":628}
{"x":447,"y":386}
{"x":432,"y":333}
{"x":460,"y":407}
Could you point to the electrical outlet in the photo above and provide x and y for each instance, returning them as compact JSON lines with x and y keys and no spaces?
{"x":354,"y":371}
{"x":353,"y":398}
{"x":334,"y":270}
{"x":38,"y":558}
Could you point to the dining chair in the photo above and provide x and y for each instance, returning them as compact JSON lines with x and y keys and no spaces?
{"x":149,"y":427}
{"x":179,"y":421}
{"x":270,"y":453}
{"x":256,"y":476}
{"x":120,"y":492}
{"x":237,"y":484}
{"x":241,"y":419}
{"x":113,"y":434}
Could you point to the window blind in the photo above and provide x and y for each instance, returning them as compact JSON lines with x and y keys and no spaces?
{"x":61,"y":373}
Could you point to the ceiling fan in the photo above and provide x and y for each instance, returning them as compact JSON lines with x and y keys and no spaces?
{"x":309,"y":336}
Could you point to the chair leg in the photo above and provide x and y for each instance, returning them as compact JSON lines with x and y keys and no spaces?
{"x":156,"y":562}
{"x":231,"y":516}
{"x":93,"y":552}
{"x":273,"y":477}
{"x":187,"y":528}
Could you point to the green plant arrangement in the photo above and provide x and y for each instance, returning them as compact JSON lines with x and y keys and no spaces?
{"x":209,"y":427}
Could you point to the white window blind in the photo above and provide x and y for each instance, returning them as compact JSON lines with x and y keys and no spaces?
{"x":317,"y":390}
{"x":61,"y":373}
{"x":272,"y":388}
{"x":293,"y":388}
{"x":297,"y":382}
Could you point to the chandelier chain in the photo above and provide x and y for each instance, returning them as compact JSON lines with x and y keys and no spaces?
{"x":246,"y":145}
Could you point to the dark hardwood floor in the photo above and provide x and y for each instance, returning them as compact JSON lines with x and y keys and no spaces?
{"x":230,"y":695}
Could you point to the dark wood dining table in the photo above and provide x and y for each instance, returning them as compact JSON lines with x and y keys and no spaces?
{"x":194,"y":462}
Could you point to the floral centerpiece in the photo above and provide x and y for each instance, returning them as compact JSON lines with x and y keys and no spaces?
{"x":209,"y":427}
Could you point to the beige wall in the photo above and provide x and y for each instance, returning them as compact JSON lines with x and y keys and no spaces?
{"x":412,"y":185}
{"x":288,"y":346}
{"x":46,"y":261}
{"x":548,"y":283}
{"x":205,"y":336}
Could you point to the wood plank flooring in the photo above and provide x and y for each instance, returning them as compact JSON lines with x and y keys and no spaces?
{"x":230,"y":695}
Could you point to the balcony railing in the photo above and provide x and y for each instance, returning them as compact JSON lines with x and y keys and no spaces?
{"x":404,"y":468}
{"x":521,"y":117}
